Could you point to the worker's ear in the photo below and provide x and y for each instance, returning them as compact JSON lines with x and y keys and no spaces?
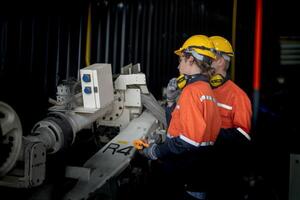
{"x":220,"y":61}
{"x":191,"y":60}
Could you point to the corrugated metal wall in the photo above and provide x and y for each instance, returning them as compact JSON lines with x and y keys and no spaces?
{"x":147,"y":32}
{"x":39,"y":49}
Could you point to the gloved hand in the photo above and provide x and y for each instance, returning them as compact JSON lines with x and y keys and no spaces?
{"x":172,"y":90}
{"x":140,"y":144}
{"x":149,"y":152}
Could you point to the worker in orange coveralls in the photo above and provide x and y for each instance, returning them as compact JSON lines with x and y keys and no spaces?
{"x":236,"y":113}
{"x":194,"y":126}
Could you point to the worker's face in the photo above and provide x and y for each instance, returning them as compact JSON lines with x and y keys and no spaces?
{"x":184,"y":65}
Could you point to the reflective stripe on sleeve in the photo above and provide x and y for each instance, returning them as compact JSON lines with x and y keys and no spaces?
{"x":244,"y":133}
{"x":196,"y":144}
{"x":209,"y":98}
{"x":224,"y":106}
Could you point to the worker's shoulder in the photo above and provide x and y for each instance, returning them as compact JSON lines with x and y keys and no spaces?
{"x":235,"y":89}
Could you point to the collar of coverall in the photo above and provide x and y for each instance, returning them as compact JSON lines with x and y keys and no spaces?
{"x":195,"y":77}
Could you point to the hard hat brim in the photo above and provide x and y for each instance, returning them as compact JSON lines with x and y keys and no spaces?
{"x":178,"y":52}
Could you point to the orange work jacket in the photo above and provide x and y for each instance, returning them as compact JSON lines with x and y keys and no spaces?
{"x":234,"y":105}
{"x":196,"y":118}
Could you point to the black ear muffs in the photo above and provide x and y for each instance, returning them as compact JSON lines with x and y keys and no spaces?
{"x":216,"y":80}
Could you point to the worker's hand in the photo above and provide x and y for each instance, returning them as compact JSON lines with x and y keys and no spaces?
{"x":149,"y":152}
{"x":172,"y":90}
{"x":140,"y":144}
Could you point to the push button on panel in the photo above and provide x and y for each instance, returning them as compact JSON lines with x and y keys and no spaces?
{"x":86,"y":78}
{"x":87,"y":90}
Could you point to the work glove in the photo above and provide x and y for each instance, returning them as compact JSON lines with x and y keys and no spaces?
{"x":172,"y":90}
{"x":156,"y":136}
{"x":149,"y":152}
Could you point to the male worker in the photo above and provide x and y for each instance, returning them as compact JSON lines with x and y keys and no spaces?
{"x":236,"y":113}
{"x":194,"y":125}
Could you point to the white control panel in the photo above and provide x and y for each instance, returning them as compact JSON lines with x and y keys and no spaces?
{"x":97,"y":86}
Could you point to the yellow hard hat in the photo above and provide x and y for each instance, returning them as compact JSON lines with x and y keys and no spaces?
{"x":199,"y":44}
{"x":222,"y":45}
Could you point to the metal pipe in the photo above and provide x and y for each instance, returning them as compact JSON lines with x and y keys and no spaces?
{"x":148,"y":56}
{"x":130,"y":36}
{"x":79,"y":49}
{"x":59,"y":129}
{"x":115,"y":41}
{"x":88,"y":37}
{"x":99,"y":42}
{"x":45,"y":86}
{"x":257,"y":59}
{"x":68,"y":55}
{"x":107,"y":36}
{"x":32,"y":46}
{"x":79,"y":121}
{"x":233,"y":38}
{"x":136,"y":50}
{"x":142,"y":41}
{"x":3,"y":44}
{"x":20,"y":42}
{"x":123,"y":36}
{"x":154,"y":42}
{"x":57,"y":54}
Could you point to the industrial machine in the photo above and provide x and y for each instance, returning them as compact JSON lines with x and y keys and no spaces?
{"x":124,"y":105}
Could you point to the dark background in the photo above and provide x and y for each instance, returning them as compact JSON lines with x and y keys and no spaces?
{"x":43,"y":43}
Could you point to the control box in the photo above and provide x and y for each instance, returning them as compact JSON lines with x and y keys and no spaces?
{"x":97,"y":85}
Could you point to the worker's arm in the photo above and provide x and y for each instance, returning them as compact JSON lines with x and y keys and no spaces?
{"x":172,"y":94}
{"x":172,"y":146}
{"x":242,"y":113}
{"x":169,"y":109}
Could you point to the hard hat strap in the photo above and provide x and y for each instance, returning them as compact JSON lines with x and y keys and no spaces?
{"x":199,"y":56}
{"x":224,"y":55}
